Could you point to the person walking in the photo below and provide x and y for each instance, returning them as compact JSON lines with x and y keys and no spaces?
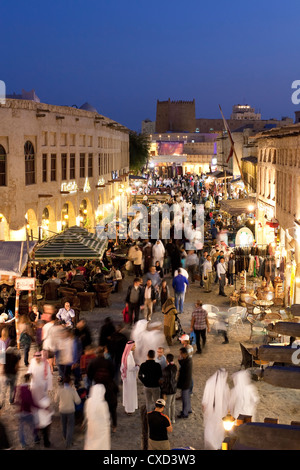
{"x":134,"y":300}
{"x":207,"y":274}
{"x":202,"y":259}
{"x":191,"y":263}
{"x":101,"y":371}
{"x":27,"y":408}
{"x":129,"y":370}
{"x":178,"y":284}
{"x":150,"y":374}
{"x":147,"y":252}
{"x":169,"y":312}
{"x":26,"y":337}
{"x":161,"y":358}
{"x":10,"y":370}
{"x":49,"y":340}
{"x":158,"y":252}
{"x":168,"y":385}
{"x":41,"y":377}
{"x":149,"y":299}
{"x":184,"y":382}
{"x":97,"y":420}
{"x":200,"y":324}
{"x":159,"y":427}
{"x":231,"y":269}
{"x":164,"y":292}
{"x":221,"y":273}
{"x":137,"y":261}
{"x":67,"y":397}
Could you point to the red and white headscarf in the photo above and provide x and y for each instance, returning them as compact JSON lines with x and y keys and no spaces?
{"x":125,"y":355}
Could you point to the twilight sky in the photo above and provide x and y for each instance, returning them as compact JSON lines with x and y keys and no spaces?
{"x":123,"y":55}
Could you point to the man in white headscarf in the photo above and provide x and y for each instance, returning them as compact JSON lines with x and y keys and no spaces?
{"x":244,"y":396}
{"x":215,"y":403}
{"x":41,"y":377}
{"x":97,"y":420}
{"x":158,"y":253}
{"x":129,"y":370}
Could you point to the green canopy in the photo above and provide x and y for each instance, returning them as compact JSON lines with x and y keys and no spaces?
{"x":73,"y":243}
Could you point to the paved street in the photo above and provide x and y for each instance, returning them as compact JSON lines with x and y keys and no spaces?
{"x":215,"y":355}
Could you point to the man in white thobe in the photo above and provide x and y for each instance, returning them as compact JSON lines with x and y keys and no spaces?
{"x":129,"y":370}
{"x":158,"y":253}
{"x":41,"y":377}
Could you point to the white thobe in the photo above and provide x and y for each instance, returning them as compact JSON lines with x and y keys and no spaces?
{"x":97,"y":420}
{"x":41,"y":379}
{"x":215,"y":404}
{"x":158,"y":253}
{"x":130,"y":397}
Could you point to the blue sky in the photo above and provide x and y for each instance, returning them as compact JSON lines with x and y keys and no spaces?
{"x":122,"y":56}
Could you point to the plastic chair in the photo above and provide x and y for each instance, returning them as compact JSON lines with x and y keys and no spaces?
{"x":212,"y":310}
{"x":234,"y":320}
{"x":241,"y":311}
{"x":258,"y":330}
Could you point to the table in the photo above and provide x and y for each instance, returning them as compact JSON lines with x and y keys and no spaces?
{"x":263,"y":305}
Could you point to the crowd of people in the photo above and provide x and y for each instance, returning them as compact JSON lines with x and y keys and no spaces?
{"x":93,"y":375}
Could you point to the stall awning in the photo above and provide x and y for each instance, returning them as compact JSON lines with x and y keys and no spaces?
{"x":14,"y":258}
{"x":250,"y":159}
{"x":179,"y":159}
{"x":238,"y":206}
{"x":73,"y":243}
{"x":220,"y":174}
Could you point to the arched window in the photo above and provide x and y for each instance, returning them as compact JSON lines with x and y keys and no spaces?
{"x":2,"y":166}
{"x":29,"y":163}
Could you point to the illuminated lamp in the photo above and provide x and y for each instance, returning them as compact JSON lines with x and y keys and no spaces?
{"x":228,"y":422}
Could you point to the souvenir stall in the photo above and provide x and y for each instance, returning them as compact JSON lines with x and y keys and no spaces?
{"x":261,"y":269}
{"x":239,"y":214}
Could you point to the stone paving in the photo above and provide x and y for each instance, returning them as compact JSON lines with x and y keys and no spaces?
{"x":215,"y":355}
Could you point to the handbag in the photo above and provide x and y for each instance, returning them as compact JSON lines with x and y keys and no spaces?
{"x":192,"y":338}
{"x":125,"y":315}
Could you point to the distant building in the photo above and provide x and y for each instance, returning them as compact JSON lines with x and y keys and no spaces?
{"x":175,"y":116}
{"x":245,"y":148}
{"x":148,"y":127}
{"x":182,"y":153}
{"x":205,"y":143}
{"x":297,"y":117}
{"x":59,"y":166}
{"x":25,"y":95}
{"x":244,"y":112}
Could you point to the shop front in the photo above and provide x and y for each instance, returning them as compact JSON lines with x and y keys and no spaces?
{"x":265,"y":232}
{"x":167,"y":166}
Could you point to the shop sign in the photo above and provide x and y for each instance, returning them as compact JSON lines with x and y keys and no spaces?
{"x":70,"y":186}
{"x":101,"y":182}
{"x":25,"y":283}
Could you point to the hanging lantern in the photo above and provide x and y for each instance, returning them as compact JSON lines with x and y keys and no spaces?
{"x":273,"y":223}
